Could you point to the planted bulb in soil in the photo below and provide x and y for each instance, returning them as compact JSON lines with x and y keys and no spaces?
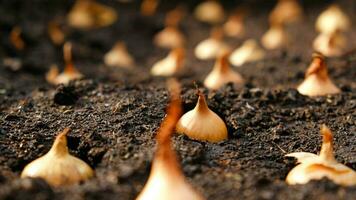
{"x":249,"y":51}
{"x":286,"y":12}
{"x":170,"y":37}
{"x":202,"y":124}
{"x":58,"y":167}
{"x":88,"y":14}
{"x":222,"y":74}
{"x":317,"y":81}
{"x":212,"y":47}
{"x":234,"y":26}
{"x":166,"y":179}
{"x":331,"y":20}
{"x":316,"y":167}
{"x":55,"y":33}
{"x":210,"y":12}
{"x":274,"y":38}
{"x":170,"y":65}
{"x":70,"y":73}
{"x":149,"y":7}
{"x":118,"y":56}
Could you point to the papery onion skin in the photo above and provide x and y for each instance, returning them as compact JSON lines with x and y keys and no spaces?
{"x":166,"y":180}
{"x":58,"y":167}
{"x":202,"y":124}
{"x":316,"y":167}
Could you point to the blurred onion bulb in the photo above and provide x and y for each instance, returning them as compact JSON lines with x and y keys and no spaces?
{"x":55,"y":33}
{"x":316,"y":167}
{"x":89,"y":14}
{"x":234,"y":26}
{"x":118,"y":56}
{"x":332,"y":19}
{"x":58,"y":167}
{"x":317,"y":81}
{"x":171,"y":37}
{"x":210,"y":11}
{"x":202,"y":124}
{"x":16,"y":39}
{"x":330,"y":44}
{"x":212,"y":47}
{"x":70,"y":72}
{"x":331,"y":23}
{"x":149,"y":7}
{"x":285,"y":12}
{"x":222,"y":74}
{"x":166,"y":180}
{"x":170,"y":65}
{"x":275,"y":38}
{"x":248,"y":52}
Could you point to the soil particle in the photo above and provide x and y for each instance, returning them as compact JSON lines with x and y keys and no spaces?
{"x":65,"y":96}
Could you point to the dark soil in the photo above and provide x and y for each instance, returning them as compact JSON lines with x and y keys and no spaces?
{"x":114,"y":114}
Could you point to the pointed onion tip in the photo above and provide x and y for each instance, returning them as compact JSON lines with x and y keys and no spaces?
{"x":201,"y":123}
{"x":316,"y":167}
{"x":317,"y":81}
{"x":222,"y":73}
{"x":58,"y":167}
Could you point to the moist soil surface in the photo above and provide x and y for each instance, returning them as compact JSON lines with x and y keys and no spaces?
{"x":114,"y":113}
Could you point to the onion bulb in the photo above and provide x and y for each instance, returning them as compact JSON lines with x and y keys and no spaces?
{"x":331,"y":20}
{"x":210,"y":12}
{"x":249,"y":51}
{"x":222,"y":74}
{"x":70,"y":72}
{"x":317,"y":81}
{"x":118,"y":56}
{"x":275,"y":38}
{"x":148,"y":7}
{"x":212,"y":47}
{"x":87,"y":14}
{"x":234,"y":26}
{"x":170,"y":65}
{"x":285,"y":12}
{"x":202,"y":124}
{"x":316,"y":167}
{"x":166,"y":180}
{"x":58,"y":167}
{"x":170,"y":37}
{"x":55,"y":33}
